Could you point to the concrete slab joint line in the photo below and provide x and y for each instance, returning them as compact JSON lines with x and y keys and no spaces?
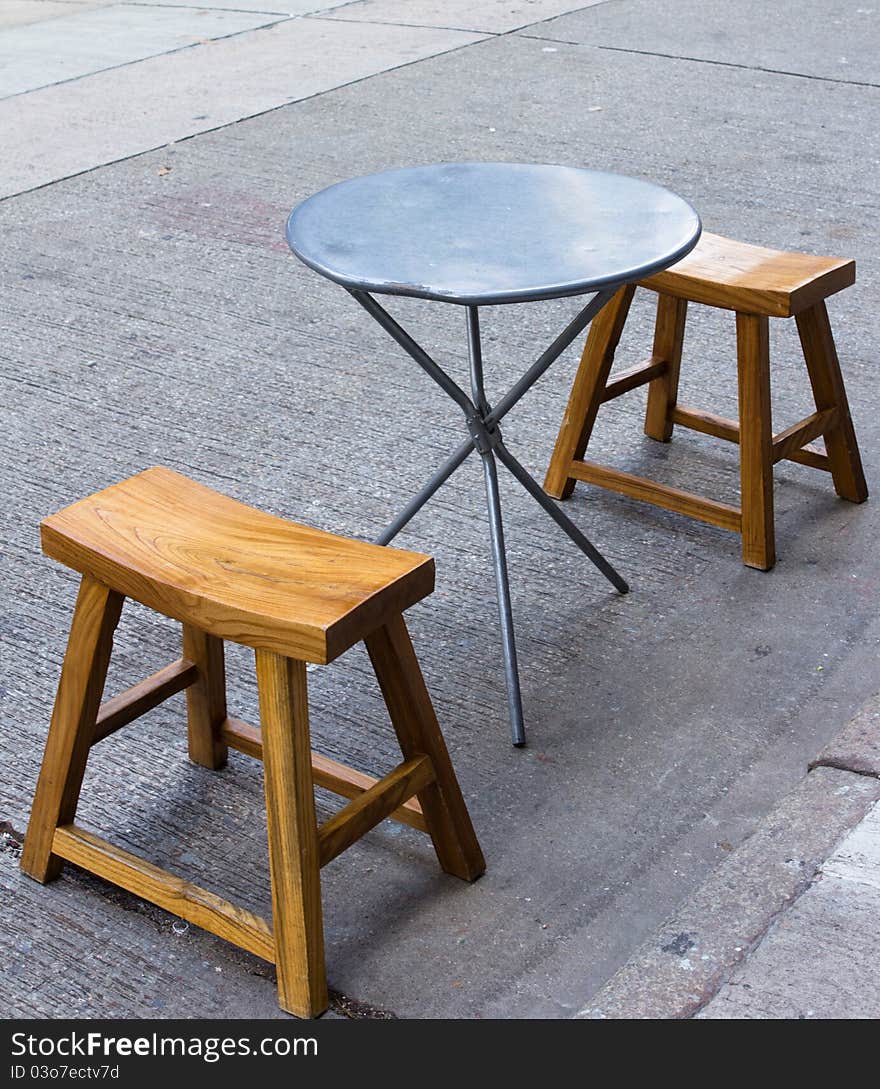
{"x":701,"y":32}
{"x":489,"y":16}
{"x":703,"y":60}
{"x":103,"y":39}
{"x":114,"y":56}
{"x":59,"y":131}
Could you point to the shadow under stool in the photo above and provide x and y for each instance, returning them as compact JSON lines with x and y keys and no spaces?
{"x":295,"y":595}
{"x":757,"y":284}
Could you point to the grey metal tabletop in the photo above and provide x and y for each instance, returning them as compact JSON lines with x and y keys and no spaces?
{"x":488,"y":233}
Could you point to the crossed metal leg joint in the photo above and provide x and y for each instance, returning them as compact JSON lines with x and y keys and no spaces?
{"x":484,"y":436}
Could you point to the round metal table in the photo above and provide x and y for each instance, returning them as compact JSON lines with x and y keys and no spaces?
{"x":484,"y":234}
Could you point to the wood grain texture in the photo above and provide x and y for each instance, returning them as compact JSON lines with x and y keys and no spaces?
{"x":707,"y":423}
{"x":243,"y":737}
{"x":587,"y":392}
{"x":125,"y":707}
{"x":738,"y":276}
{"x":351,"y":783}
{"x":188,"y":901}
{"x":205,"y":698}
{"x":722,"y":428}
{"x":372,"y":806}
{"x":294,"y":858}
{"x":812,"y":456}
{"x":756,"y":283}
{"x":663,"y":391}
{"x":823,"y":366}
{"x":756,"y":441}
{"x":800,"y":434}
{"x":415,"y":723}
{"x":72,"y":729}
{"x":233,"y":571}
{"x":326,"y":772}
{"x":634,"y":377}
{"x":660,"y":495}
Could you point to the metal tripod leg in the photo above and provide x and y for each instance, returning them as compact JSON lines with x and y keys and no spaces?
{"x":560,"y":518}
{"x":482,"y":422}
{"x":505,"y":613}
{"x":418,"y":501}
{"x":486,"y":441}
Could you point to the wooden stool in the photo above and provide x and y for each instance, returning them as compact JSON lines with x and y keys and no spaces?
{"x":295,"y":595}
{"x":758,"y":284}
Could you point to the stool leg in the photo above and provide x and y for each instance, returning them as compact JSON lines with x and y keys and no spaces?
{"x":206,"y":698}
{"x":756,"y":440}
{"x":294,"y":861}
{"x":663,"y":391}
{"x":73,"y":724}
{"x":412,"y":715}
{"x":586,"y":393}
{"x":829,"y":391}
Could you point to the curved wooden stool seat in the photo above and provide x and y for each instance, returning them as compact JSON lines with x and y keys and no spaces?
{"x":739,"y":276}
{"x":757,"y":284}
{"x":233,"y":571}
{"x":294,"y":594}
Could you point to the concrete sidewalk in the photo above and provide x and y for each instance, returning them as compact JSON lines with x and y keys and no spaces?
{"x":89,"y":82}
{"x":151,"y":313}
{"x":787,"y":926}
